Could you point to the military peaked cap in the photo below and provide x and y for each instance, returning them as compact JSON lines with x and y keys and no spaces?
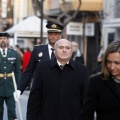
{"x":4,"y":34}
{"x":53,"y":27}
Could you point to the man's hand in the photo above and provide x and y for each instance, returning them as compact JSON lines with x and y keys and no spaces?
{"x":17,"y":95}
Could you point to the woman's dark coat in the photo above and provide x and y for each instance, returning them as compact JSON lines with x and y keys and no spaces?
{"x":103,"y":97}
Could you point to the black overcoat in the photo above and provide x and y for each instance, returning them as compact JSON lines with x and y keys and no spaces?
{"x":39,"y":54}
{"x":103,"y":97}
{"x":57,"y":94}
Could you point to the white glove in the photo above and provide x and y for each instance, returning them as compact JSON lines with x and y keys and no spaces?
{"x":17,"y":97}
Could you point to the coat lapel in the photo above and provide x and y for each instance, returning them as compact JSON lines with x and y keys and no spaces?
{"x":111,"y":84}
{"x":0,"y":55}
{"x":8,"y":53}
{"x":46,"y":52}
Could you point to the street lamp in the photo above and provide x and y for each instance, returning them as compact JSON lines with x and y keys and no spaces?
{"x":41,"y":32}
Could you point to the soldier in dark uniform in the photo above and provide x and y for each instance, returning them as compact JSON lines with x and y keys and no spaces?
{"x":8,"y":62}
{"x":40,"y":53}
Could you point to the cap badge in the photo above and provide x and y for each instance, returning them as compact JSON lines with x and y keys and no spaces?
{"x":54,"y":26}
{"x":40,"y":54}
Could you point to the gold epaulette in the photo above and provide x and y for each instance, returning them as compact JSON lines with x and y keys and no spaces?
{"x":38,"y":45}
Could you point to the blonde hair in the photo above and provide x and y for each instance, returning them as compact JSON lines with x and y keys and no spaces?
{"x":112,"y":47}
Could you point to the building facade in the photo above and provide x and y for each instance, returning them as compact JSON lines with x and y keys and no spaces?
{"x":111,"y":22}
{"x":85,"y":28}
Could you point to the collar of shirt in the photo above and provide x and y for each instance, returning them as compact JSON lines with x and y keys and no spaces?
{"x":49,"y":50}
{"x":61,"y":64}
{"x":54,"y":62}
{"x":2,"y":51}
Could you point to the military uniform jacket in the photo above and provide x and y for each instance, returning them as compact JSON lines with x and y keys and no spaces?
{"x":39,"y":54}
{"x":7,"y":65}
{"x":57,"y":94}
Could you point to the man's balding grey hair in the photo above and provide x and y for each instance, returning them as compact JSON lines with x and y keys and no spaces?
{"x":61,"y":40}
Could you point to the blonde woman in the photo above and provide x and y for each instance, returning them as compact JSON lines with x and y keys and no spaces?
{"x":103,"y":92}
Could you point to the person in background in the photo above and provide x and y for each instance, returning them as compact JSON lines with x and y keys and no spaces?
{"x":99,"y":60}
{"x":59,"y":86}
{"x":100,"y":55}
{"x":11,"y":47}
{"x":103,"y":92}
{"x":77,"y":55}
{"x":26,"y":58}
{"x":98,"y":69}
{"x":9,"y":62}
{"x":20,"y":54}
{"x":40,"y":53}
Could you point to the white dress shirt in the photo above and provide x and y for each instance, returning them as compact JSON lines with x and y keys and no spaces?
{"x":49,"y":50}
{"x":2,"y":51}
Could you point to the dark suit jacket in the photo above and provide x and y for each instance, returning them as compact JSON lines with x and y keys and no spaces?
{"x":57,"y":94}
{"x":79,"y":59}
{"x":104,"y":98}
{"x":98,"y":69}
{"x":7,"y":65}
{"x":39,"y":54}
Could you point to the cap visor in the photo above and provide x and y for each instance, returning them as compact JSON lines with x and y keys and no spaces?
{"x":54,"y":30}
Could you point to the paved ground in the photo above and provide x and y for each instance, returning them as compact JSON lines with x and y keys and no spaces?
{"x":23,"y":104}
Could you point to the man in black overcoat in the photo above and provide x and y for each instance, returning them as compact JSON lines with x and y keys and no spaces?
{"x":40,"y":53}
{"x":59,"y":86}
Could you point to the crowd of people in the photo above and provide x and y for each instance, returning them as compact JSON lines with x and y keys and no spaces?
{"x":62,"y":89}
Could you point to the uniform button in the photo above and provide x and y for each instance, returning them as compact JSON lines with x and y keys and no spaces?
{"x":39,"y":60}
{"x":4,"y":67}
{"x":4,"y":62}
{"x":4,"y":78}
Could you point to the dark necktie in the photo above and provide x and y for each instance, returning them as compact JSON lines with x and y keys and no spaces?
{"x":3,"y":52}
{"x":52,"y":54}
{"x":61,"y":66}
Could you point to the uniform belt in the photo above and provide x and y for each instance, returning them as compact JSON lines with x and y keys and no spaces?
{"x":6,"y":75}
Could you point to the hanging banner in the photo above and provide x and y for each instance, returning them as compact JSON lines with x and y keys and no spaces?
{"x":74,"y":28}
{"x":89,"y":29}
